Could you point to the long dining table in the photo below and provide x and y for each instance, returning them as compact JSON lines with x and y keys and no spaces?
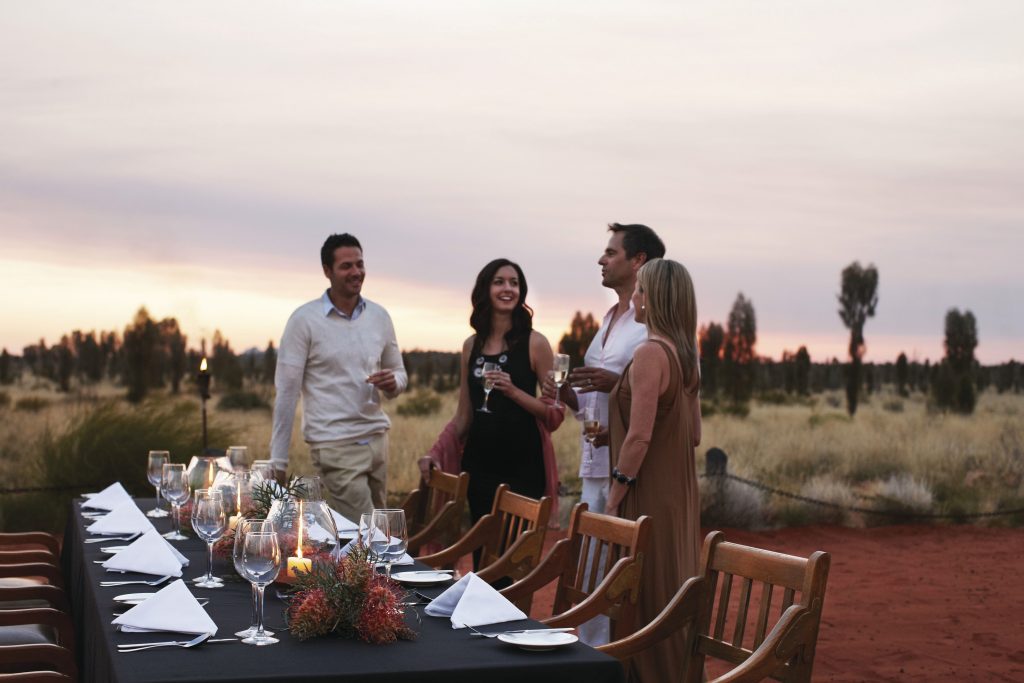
{"x":439,"y":653}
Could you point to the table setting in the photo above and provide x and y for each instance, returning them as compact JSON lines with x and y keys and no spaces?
{"x":420,"y":624}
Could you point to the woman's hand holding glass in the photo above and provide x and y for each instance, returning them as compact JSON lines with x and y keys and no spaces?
{"x":261,"y":563}
{"x":175,"y":488}
{"x":154,"y":472}
{"x":210,"y":521}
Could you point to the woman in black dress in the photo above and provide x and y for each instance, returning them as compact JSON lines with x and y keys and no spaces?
{"x":502,"y":446}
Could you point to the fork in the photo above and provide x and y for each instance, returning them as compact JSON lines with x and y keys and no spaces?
{"x":201,"y":638}
{"x":524,"y":631}
{"x":104,"y":539}
{"x":152,"y":582}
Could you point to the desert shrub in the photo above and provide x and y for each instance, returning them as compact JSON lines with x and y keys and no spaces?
{"x":106,"y":442}
{"x":708,"y":408}
{"x":243,"y":400}
{"x":902,"y":496}
{"x":729,"y":503}
{"x":820,"y":419}
{"x":736,"y":409}
{"x":956,"y":500}
{"x":833,"y":401}
{"x":5,"y":399}
{"x":894,"y":406}
{"x":828,"y":490}
{"x":32,"y":404}
{"x":420,"y":404}
{"x":773,"y":397}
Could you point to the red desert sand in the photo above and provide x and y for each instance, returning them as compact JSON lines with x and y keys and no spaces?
{"x":909,"y":603}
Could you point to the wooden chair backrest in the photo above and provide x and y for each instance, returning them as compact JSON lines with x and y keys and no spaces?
{"x":596,"y":543}
{"x":437,"y":504}
{"x":732,"y":626}
{"x":516,"y":515}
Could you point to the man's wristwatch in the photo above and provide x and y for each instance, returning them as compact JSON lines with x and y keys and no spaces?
{"x":622,"y":478}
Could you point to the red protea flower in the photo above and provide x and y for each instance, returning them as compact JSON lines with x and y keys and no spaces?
{"x":311,"y":614}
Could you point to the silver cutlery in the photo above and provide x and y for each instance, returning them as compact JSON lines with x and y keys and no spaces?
{"x":104,"y":539}
{"x":522,"y":632}
{"x":201,"y":638}
{"x":153,"y":582}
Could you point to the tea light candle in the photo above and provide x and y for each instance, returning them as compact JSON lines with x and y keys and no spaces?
{"x":298,"y":563}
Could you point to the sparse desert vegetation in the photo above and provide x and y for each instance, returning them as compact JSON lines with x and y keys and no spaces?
{"x":906,"y":460}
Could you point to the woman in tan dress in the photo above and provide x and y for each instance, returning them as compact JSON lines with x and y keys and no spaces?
{"x":654,"y":418}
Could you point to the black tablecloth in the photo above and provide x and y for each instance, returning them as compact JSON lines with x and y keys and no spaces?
{"x":440,"y":653}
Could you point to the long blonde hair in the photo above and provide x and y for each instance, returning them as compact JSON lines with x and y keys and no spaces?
{"x":671,"y":310}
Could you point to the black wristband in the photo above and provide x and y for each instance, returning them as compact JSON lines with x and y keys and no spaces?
{"x":622,"y":478}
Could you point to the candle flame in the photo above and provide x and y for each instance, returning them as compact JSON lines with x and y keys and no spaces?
{"x":202,"y":365}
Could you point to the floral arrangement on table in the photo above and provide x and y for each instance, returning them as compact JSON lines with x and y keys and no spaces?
{"x":349,"y":599}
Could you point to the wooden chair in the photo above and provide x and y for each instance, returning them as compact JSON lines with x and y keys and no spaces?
{"x":784,"y":653}
{"x":433,"y":512}
{"x":37,"y":663}
{"x":510,"y":538}
{"x":33,"y":540}
{"x":597,"y":568}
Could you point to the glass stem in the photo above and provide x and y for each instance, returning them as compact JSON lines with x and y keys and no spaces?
{"x":387,"y":569}
{"x":259,"y":614}
{"x":209,"y":571}
{"x":255,"y":615}
{"x":157,"y":497}
{"x":176,"y":522}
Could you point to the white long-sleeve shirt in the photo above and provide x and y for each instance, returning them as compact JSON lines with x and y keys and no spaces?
{"x":613,"y":354}
{"x":324,"y":356}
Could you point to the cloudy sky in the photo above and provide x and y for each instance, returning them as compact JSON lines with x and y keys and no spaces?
{"x":192,"y":156}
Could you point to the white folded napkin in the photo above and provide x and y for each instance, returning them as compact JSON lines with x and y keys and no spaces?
{"x":472,"y":602}
{"x":343,"y":523}
{"x":126,"y":518}
{"x":107,"y":499}
{"x":148,"y":554}
{"x":172,"y":609}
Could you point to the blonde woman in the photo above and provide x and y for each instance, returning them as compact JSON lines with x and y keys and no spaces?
{"x":654,"y":417}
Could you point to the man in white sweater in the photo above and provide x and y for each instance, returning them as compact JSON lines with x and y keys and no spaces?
{"x":340,"y":353}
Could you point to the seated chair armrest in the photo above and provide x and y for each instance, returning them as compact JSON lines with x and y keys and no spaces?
{"x":621,"y":577}
{"x":682,"y":609}
{"x":527,"y":547}
{"x":791,"y":632}
{"x":477,"y":537}
{"x":434,"y":527}
{"x":550,"y":568}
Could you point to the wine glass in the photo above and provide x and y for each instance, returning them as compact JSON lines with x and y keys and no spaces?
{"x":591,"y":427}
{"x":261,"y":563}
{"x":365,"y":529}
{"x":372,"y":368}
{"x":243,"y":527}
{"x":312,"y":487}
{"x":155,"y":470}
{"x":488,"y":385}
{"x":560,"y":372}
{"x":379,"y":535}
{"x":263,"y":468}
{"x":238,"y":456}
{"x":210,"y":522}
{"x":397,"y":538}
{"x":174,"y":486}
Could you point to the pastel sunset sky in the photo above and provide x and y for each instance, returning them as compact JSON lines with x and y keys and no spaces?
{"x":192,"y":156}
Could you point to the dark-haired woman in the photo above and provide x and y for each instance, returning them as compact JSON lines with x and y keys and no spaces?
{"x":506,"y":444}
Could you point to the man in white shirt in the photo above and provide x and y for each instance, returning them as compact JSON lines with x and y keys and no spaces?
{"x":339,"y":351}
{"x":629,"y":247}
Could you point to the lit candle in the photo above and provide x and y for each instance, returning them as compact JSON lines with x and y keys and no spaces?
{"x":298,"y":563}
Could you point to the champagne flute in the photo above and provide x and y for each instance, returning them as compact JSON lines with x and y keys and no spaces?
{"x":591,"y":427}
{"x":398,"y":538}
{"x":488,"y":385}
{"x":261,"y":563}
{"x":372,"y":368}
{"x":244,"y":527}
{"x":174,"y":486}
{"x":560,"y":373}
{"x":154,"y":471}
{"x":209,"y":522}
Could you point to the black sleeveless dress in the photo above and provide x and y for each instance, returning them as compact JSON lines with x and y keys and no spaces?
{"x":503,"y":446}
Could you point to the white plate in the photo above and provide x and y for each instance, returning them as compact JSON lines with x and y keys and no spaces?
{"x":133,"y":598}
{"x":112,"y":549}
{"x":423,"y":578}
{"x":538,"y":641}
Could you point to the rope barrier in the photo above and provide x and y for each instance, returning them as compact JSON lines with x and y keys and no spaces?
{"x":847,"y":508}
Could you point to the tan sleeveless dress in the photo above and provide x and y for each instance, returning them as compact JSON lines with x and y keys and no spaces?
{"x":666,"y":490}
